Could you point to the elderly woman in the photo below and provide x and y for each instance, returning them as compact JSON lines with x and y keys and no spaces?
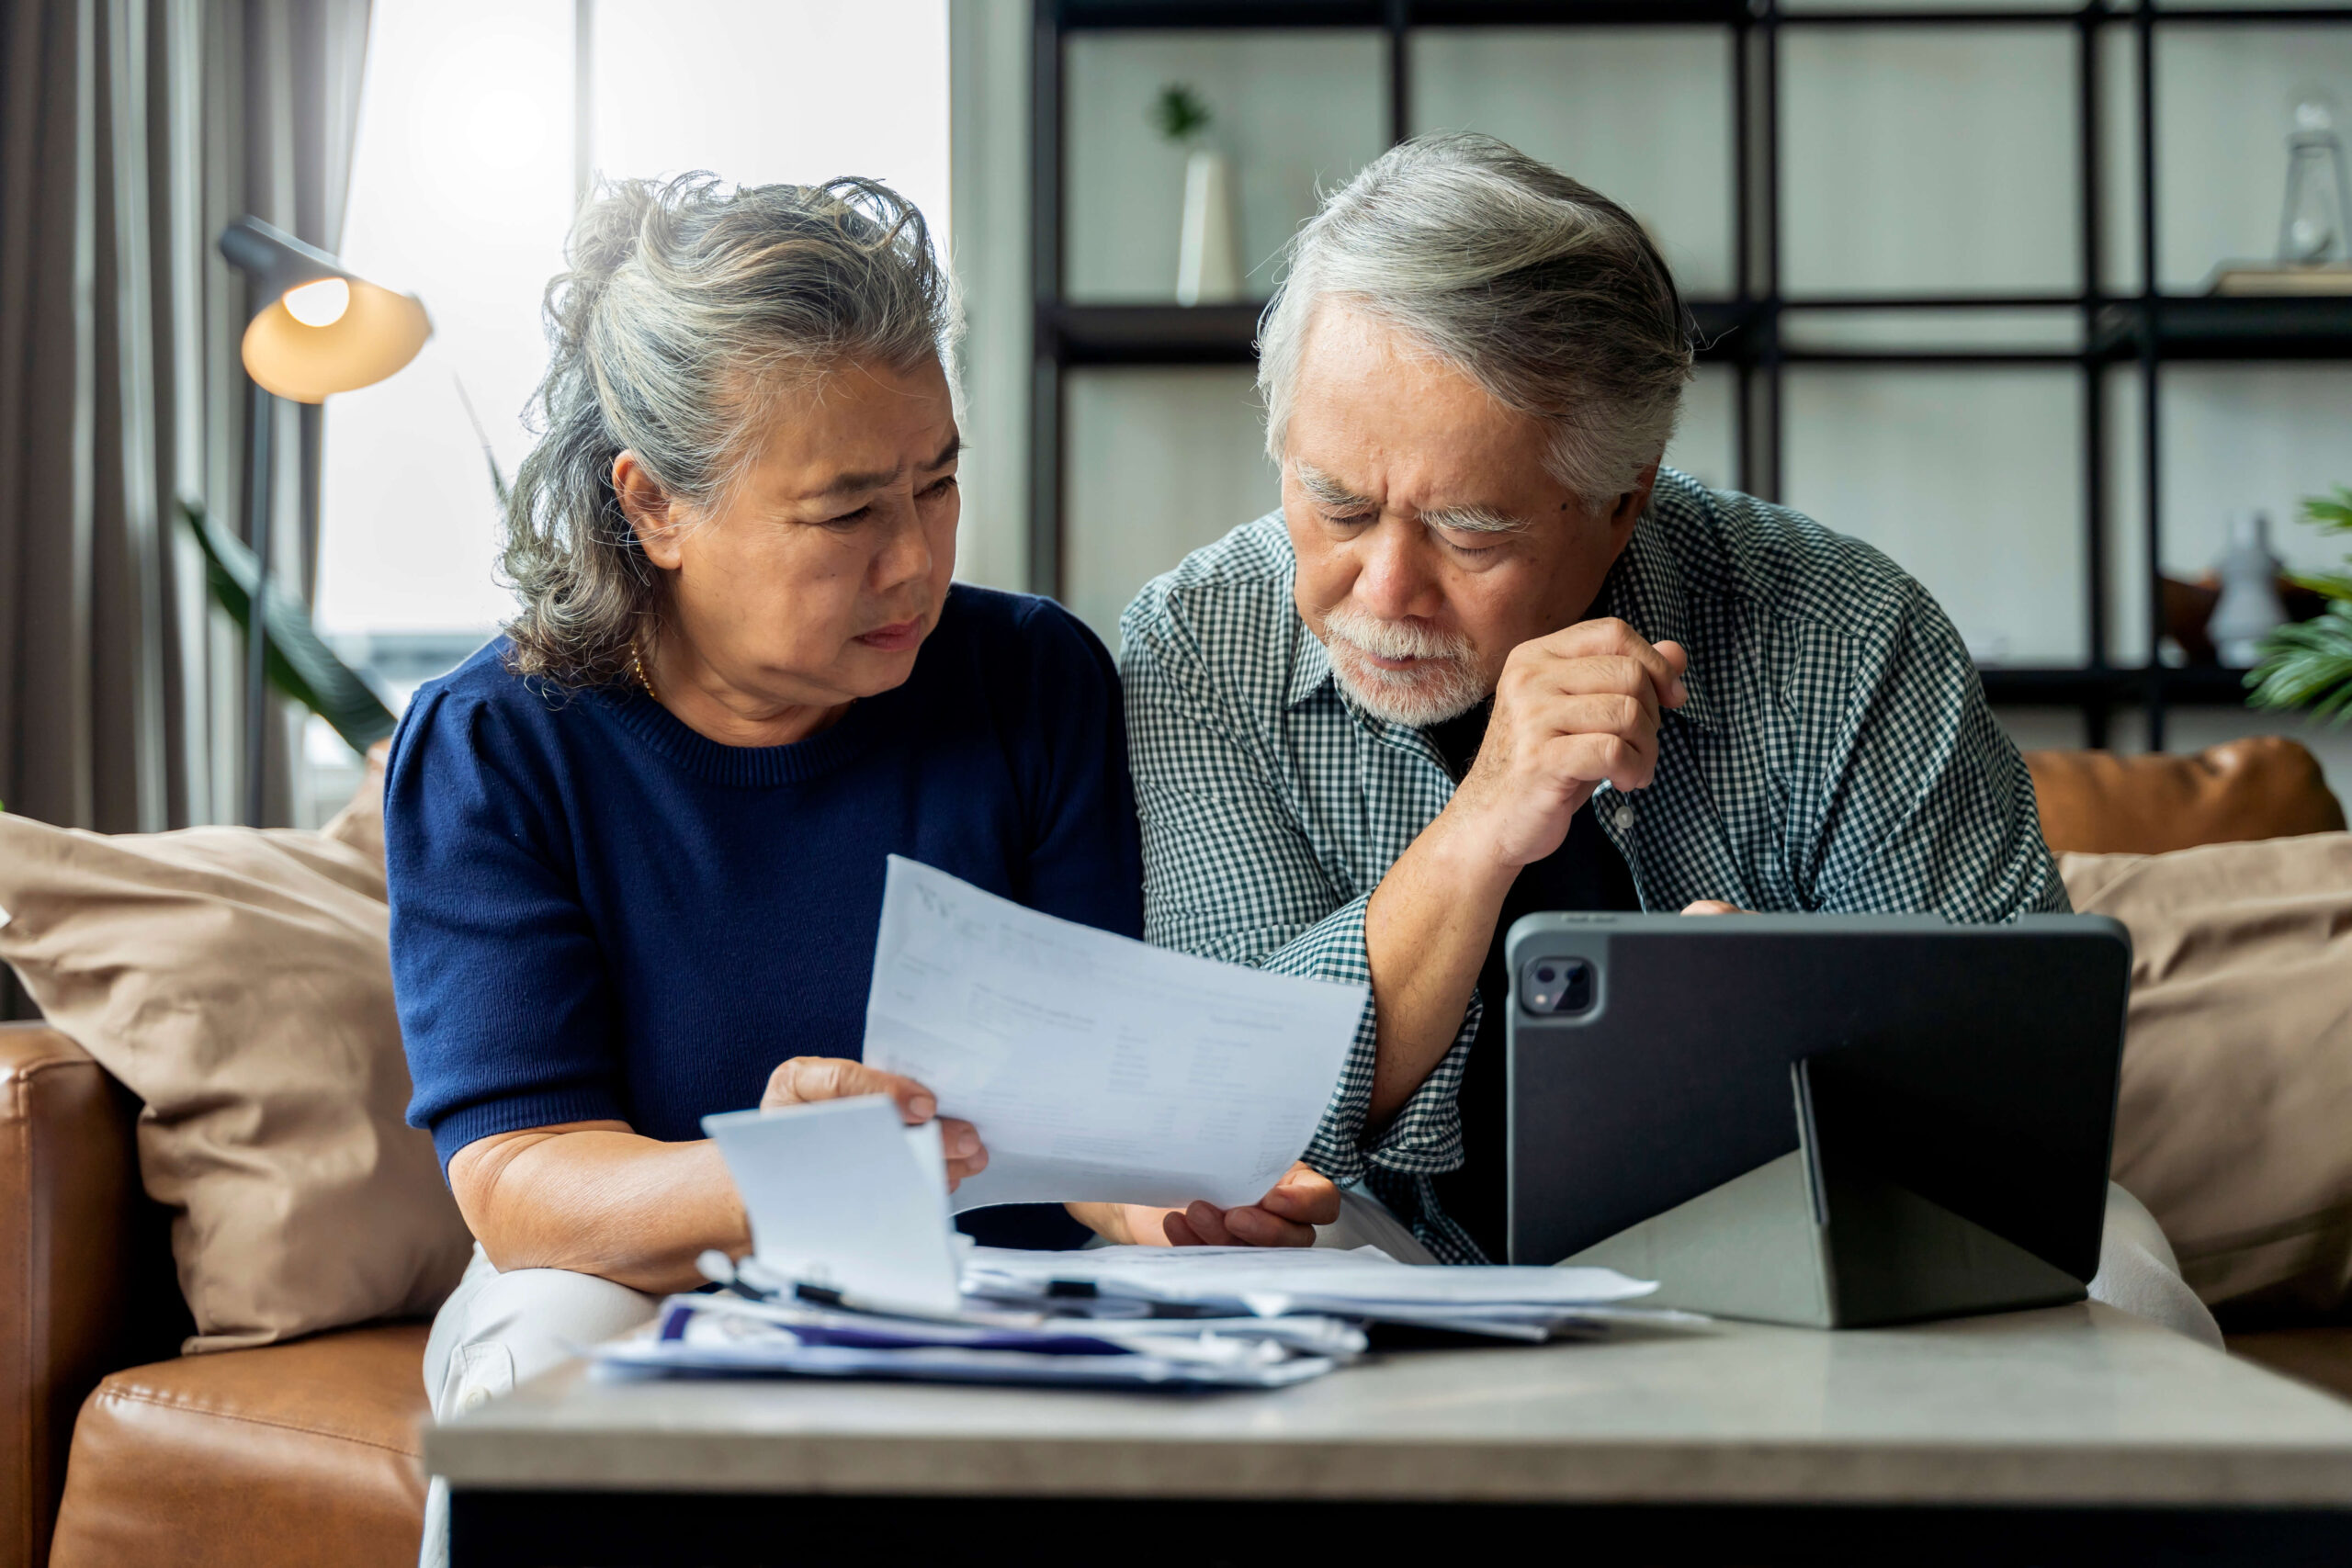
{"x":637,"y":845}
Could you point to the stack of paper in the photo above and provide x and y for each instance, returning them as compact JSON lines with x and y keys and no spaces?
{"x":727,"y":1336}
{"x":1365,"y":1285}
{"x":1168,"y":1317}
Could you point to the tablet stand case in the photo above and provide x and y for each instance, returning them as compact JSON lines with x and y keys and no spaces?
{"x":1810,"y":1240}
{"x":1827,"y":1120}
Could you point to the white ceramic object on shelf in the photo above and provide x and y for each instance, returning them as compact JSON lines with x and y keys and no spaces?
{"x":2312,"y":229}
{"x":1208,"y":263}
{"x":2248,"y":609}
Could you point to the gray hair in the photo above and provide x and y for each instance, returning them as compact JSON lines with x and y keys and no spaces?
{"x":687,"y":307}
{"x":1543,"y":292}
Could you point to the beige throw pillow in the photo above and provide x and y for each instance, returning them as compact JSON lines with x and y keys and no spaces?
{"x":2235,"y":1122}
{"x":238,"y":983}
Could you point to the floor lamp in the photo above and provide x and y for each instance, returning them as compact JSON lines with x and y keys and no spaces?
{"x":318,"y":329}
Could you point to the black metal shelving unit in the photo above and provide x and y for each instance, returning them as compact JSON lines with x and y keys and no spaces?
{"x":2144,"y":330}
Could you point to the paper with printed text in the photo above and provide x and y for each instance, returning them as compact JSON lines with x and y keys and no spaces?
{"x":1096,"y":1067}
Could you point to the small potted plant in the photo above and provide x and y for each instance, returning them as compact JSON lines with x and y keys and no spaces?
{"x":2308,"y":664}
{"x":1208,"y":266}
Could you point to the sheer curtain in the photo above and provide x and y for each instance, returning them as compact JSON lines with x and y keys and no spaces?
{"x":130,"y":130}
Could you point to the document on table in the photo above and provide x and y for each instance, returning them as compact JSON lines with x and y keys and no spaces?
{"x":843,"y":1195}
{"x":1269,"y":1280}
{"x":716,"y":1336}
{"x":1096,"y":1067}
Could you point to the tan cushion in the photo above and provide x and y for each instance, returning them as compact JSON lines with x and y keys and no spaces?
{"x":360,"y":824}
{"x":237,"y":982}
{"x":2236,"y":1123}
{"x":2261,"y":786}
{"x":304,"y":1453}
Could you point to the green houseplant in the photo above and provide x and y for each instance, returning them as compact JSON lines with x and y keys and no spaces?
{"x":2309,"y":665}
{"x":299,"y":664}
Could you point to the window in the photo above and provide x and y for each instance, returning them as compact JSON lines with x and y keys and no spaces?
{"x":462,"y":188}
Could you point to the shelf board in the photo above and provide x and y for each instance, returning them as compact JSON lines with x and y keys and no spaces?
{"x":1227,"y":334}
{"x":1151,"y":334}
{"x":2194,"y":685}
{"x":1074,"y":15}
{"x":2232,"y":327}
{"x":2188,"y":328}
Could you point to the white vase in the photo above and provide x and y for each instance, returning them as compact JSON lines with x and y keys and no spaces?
{"x":1208,"y":263}
{"x":2248,"y":609}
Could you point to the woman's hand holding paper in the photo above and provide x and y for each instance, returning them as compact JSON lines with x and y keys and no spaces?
{"x":804,"y":1079}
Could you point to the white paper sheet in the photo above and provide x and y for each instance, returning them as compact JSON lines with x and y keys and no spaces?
{"x":843,"y":1194}
{"x":1365,"y":1279}
{"x":1096,"y":1067}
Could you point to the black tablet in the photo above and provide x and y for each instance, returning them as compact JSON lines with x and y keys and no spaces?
{"x":1655,"y":1058}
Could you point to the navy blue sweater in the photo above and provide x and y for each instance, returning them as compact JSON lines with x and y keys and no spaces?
{"x":597,"y":913}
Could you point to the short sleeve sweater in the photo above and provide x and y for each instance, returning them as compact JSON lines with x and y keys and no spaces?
{"x":597,"y":913}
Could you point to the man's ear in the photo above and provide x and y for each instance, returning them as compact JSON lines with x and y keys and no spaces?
{"x":651,"y":513}
{"x":1631,"y":504}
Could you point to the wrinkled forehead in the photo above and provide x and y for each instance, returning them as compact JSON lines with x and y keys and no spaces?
{"x":1368,"y":391}
{"x":860,"y":428}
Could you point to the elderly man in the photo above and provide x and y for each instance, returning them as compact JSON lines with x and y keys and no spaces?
{"x":1490,"y":657}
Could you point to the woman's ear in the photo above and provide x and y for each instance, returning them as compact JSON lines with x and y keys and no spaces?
{"x":648,"y":509}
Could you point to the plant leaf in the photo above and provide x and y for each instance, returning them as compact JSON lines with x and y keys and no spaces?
{"x":2308,"y":666}
{"x":1178,"y":112}
{"x":2333,"y":513}
{"x":297,"y":662}
{"x":2334,"y":584}
{"x":497,"y":475}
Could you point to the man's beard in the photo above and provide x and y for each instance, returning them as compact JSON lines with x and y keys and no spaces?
{"x":1443,"y":684}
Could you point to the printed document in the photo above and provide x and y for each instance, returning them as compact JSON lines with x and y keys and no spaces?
{"x":845,"y":1195}
{"x":1096,"y":1067}
{"x":1362,"y":1276}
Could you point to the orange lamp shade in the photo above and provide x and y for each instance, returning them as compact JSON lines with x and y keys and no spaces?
{"x":375,"y":333}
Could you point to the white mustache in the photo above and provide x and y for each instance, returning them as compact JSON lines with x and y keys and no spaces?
{"x":1394,"y":640}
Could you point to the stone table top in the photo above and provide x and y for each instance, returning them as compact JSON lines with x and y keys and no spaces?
{"x":2072,"y":1406}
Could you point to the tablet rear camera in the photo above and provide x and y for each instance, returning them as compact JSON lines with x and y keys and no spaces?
{"x":1557,"y":985}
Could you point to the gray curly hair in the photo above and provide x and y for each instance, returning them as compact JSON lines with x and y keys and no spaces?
{"x":685,"y":308}
{"x":1543,"y":292}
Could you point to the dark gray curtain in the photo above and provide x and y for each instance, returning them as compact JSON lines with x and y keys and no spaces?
{"x":130,"y":130}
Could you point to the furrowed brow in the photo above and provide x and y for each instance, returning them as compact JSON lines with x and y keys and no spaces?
{"x":1473,"y":520}
{"x":1329,"y":491}
{"x":845,"y":484}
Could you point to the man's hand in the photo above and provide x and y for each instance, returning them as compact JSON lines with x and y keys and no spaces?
{"x":1571,"y":709}
{"x":1286,"y":1216}
{"x":806,"y":1078}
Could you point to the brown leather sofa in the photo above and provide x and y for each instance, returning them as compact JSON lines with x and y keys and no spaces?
{"x":307,"y":1452}
{"x":299,"y":1453}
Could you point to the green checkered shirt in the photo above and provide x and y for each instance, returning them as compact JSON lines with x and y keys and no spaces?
{"x":1836,"y":754}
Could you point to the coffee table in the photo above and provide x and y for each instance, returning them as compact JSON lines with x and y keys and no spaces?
{"x":2078,"y":1433}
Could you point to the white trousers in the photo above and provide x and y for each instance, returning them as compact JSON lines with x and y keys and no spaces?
{"x":2138,"y":1272}
{"x":497,"y":1330}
